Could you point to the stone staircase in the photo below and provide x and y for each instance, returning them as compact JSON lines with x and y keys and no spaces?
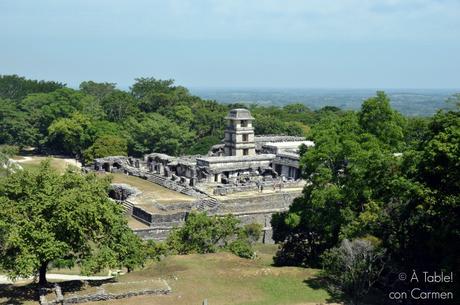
{"x":127,"y":206}
{"x":172,"y":185}
{"x":206,"y":204}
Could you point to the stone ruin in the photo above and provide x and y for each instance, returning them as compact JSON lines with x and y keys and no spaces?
{"x":242,"y":163}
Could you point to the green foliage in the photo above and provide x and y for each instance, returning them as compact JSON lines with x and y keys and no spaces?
{"x":353,"y":267}
{"x":454,"y":100}
{"x":106,"y":145}
{"x":15,"y":126}
{"x":6,"y":165}
{"x":252,"y":232}
{"x":440,"y":159}
{"x":169,"y":118}
{"x":158,"y":132}
{"x":297,"y":250}
{"x":202,"y":234}
{"x":45,"y":216}
{"x":156,"y":250}
{"x":202,"y":146}
{"x":145,"y":85}
{"x":16,"y":88}
{"x":99,"y":90}
{"x":119,"y":105}
{"x":208,"y":234}
{"x":69,"y":134}
{"x":359,"y":187}
{"x":377,"y":118}
{"x":241,"y":248}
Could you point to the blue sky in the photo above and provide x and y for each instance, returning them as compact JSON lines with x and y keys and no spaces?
{"x":235,"y":43}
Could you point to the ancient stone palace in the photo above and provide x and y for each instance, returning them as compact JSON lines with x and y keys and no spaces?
{"x":251,"y":176}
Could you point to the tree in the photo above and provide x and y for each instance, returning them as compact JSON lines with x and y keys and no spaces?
{"x":145,"y":85}
{"x":377,"y":118}
{"x":106,"y":145}
{"x":202,"y":234}
{"x":354,"y":267}
{"x":440,"y":163}
{"x":16,"y":88}
{"x":69,"y":135}
{"x":119,"y":105}
{"x":154,"y":132}
{"x":202,"y":145}
{"x":98,"y":90}
{"x":349,"y":169}
{"x":242,"y":248}
{"x":296,"y":108}
{"x":252,"y":232}
{"x":6,"y":164}
{"x":44,"y":108}
{"x":15,"y":125}
{"x":46,"y":216}
{"x":266,"y":124}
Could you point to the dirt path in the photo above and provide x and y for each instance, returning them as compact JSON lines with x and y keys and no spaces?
{"x":64,"y":277}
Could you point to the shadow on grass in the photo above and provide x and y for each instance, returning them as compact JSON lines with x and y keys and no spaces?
{"x":12,"y":294}
{"x":336,"y":296}
{"x":374,"y":296}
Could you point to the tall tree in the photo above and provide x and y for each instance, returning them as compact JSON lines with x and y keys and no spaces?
{"x":98,"y":90}
{"x":16,"y":88}
{"x":119,"y":105}
{"x":69,"y":135}
{"x":378,"y":118}
{"x":15,"y":125}
{"x":106,"y":145}
{"x":46,"y":216}
{"x":146,"y":85}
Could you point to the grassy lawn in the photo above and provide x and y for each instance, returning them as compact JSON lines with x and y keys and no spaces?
{"x":59,"y":164}
{"x":222,"y":278}
{"x":151,"y":190}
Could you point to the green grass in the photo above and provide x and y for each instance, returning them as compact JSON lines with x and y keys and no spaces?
{"x":223,"y":279}
{"x":288,"y":289}
{"x":151,"y":190}
{"x":56,"y":163}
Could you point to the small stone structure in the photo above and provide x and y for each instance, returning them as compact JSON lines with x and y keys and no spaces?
{"x":122,"y":191}
{"x":242,"y":163}
{"x":100,"y":295}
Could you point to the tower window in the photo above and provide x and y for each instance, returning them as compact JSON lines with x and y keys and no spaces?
{"x":244,"y":123}
{"x":245,"y":152}
{"x":245,"y":138}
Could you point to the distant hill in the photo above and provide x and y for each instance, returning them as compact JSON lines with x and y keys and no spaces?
{"x":413,"y":102}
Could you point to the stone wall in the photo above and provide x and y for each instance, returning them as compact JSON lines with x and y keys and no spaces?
{"x":255,"y":209}
{"x":101,"y":295}
{"x":230,"y":189}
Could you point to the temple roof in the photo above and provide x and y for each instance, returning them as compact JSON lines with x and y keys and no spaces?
{"x":239,"y":114}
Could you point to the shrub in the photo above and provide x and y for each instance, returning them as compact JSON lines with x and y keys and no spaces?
{"x":252,"y":232}
{"x":242,"y":248}
{"x":155,"y":250}
{"x":205,"y":234}
{"x":202,"y":234}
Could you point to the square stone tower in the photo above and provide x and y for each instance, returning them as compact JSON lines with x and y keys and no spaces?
{"x":239,"y":134}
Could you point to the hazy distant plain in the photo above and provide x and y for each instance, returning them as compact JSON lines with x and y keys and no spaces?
{"x":413,"y":102}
